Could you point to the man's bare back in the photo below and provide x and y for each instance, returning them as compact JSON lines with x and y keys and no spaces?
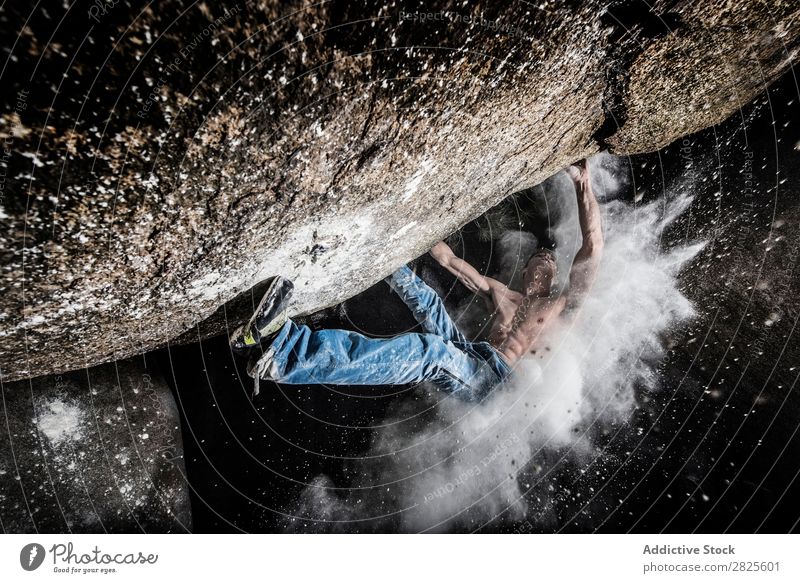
{"x":520,"y":319}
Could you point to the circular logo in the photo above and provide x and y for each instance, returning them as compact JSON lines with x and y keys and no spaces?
{"x":31,"y":556}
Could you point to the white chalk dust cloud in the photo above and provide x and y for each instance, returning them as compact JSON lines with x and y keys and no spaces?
{"x":60,"y":421}
{"x":462,"y":466}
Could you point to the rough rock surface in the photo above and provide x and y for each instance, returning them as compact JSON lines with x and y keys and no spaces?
{"x":162,"y":162}
{"x":93,"y":451}
{"x":701,"y":62}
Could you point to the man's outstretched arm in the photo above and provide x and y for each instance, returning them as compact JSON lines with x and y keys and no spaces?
{"x":584,"y":266}
{"x":496,"y":295}
{"x":466,"y":274}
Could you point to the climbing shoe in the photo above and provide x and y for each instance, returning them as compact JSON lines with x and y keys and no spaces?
{"x":269,"y":317}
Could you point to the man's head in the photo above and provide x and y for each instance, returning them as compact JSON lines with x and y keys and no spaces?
{"x":540,"y":273}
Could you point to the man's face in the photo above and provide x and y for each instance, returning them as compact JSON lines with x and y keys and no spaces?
{"x":539,"y":274}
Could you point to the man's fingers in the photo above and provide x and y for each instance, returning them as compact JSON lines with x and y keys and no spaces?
{"x":579,"y":169}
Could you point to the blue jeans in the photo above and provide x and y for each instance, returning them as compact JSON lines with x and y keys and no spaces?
{"x":441,"y":354}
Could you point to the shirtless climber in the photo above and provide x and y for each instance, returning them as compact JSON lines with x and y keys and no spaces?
{"x":295,"y":354}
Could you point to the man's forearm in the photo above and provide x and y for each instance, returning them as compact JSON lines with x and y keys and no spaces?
{"x":587,"y":260}
{"x":588,"y":214}
{"x":466,"y":274}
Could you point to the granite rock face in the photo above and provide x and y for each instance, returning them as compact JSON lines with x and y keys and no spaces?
{"x":94,"y":451}
{"x":690,"y":65}
{"x":160,"y":163}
